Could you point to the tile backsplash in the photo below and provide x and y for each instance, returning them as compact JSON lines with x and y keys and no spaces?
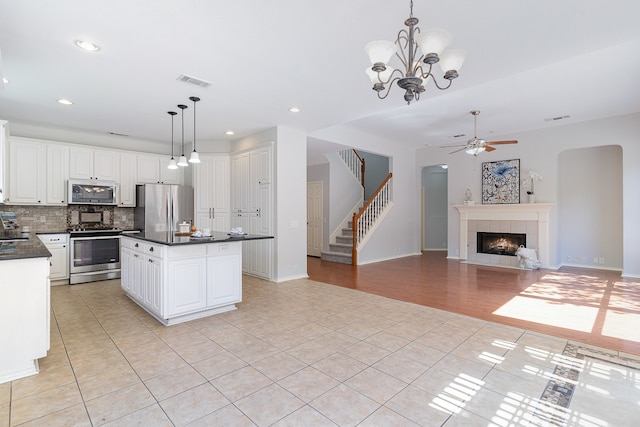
{"x":51,"y":219}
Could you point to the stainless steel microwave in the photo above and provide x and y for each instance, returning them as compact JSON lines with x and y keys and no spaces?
{"x":91,"y":192}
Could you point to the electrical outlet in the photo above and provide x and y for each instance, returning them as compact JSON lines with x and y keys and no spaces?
{"x":601,"y":261}
{"x":568,"y":257}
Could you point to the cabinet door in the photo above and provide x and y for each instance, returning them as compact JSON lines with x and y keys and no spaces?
{"x":127,"y":276}
{"x":57,"y":174}
{"x":80,"y":163}
{"x":127,"y":183}
{"x":59,"y":262}
{"x":153,"y":284}
{"x":27,"y":163}
{"x":148,"y":169}
{"x":105,"y":165}
{"x":220,"y":184}
{"x":139,"y":272}
{"x":186,"y":285}
{"x":224,"y":279}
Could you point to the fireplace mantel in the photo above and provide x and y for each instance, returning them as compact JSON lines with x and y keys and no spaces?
{"x":507,"y":212}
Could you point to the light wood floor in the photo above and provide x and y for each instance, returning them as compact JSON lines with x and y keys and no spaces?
{"x":595,"y":307}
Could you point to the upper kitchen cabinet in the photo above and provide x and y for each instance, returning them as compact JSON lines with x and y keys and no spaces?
{"x":38,"y":172}
{"x":88,"y":163}
{"x":153,"y":170}
{"x":27,"y":169}
{"x":211,"y":182}
{"x":127,"y":182}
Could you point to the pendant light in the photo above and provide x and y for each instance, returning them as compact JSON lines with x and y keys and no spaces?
{"x":195,"y":157}
{"x":182,"y":161}
{"x":172,"y":162}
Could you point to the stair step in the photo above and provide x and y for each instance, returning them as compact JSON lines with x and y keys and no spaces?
{"x":347,"y":232}
{"x":336,"y":257}
{"x":340,"y":247}
{"x":347,"y":240}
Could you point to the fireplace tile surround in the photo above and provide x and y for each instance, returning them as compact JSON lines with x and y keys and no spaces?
{"x":531,"y":219}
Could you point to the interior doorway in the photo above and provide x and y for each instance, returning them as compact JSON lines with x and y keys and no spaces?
{"x":314,"y":218}
{"x":434,"y":207}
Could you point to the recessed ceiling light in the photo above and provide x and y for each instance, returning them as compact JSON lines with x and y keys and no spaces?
{"x":294,"y":110}
{"x":64,"y":101}
{"x":5,"y":81}
{"x":230,"y":132}
{"x":91,"y":47}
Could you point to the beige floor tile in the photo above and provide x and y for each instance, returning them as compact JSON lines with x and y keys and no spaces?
{"x":359,"y":330}
{"x":402,"y":368}
{"x":135,"y":340}
{"x":284,"y":340}
{"x":174,"y":382}
{"x":154,"y":365}
{"x":229,"y":416}
{"x":335,"y":340}
{"x":502,"y":409}
{"x":421,"y":407}
{"x":255,"y":351}
{"x":340,"y":366}
{"x":365,"y":352}
{"x":311,"y":330}
{"x":74,"y":416}
{"x":482,"y":350}
{"x":107,"y":381}
{"x":451,"y":388}
{"x":387,"y":341}
{"x":200,"y":351}
{"x":375,"y":385}
{"x":308,"y":383}
{"x":47,"y":379}
{"x":89,"y":365}
{"x":269,"y":405}
{"x":305,"y":416}
{"x":219,"y":365}
{"x":185,"y":340}
{"x":193,"y":404}
{"x":310,"y":352}
{"x":44,"y":403}
{"x":457,"y":365}
{"x":386,"y":417}
{"x":241,"y":383}
{"x":467,"y":419}
{"x":344,"y":406}
{"x":150,"y":416}
{"x":279,"y":366}
{"x":119,"y":403}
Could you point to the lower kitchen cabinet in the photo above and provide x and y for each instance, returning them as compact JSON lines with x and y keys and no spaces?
{"x":177,"y":283}
{"x":58,"y":245}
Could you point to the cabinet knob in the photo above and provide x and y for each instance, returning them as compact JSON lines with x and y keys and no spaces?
{"x":150,"y":260}
{"x":151,"y":249}
{"x":136,"y":245}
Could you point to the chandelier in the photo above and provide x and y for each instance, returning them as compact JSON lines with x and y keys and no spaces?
{"x":416,"y":70}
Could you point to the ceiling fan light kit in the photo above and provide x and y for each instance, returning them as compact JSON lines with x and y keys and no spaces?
{"x":475,"y":145}
{"x":415,"y":72}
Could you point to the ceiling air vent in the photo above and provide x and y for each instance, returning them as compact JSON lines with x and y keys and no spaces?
{"x":553,"y":119}
{"x":193,"y":80}
{"x":460,"y":135}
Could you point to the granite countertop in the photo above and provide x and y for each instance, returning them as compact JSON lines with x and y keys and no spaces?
{"x":21,"y":249}
{"x":170,"y":239}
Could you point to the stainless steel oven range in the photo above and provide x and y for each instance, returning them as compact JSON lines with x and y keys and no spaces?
{"x":95,"y":255}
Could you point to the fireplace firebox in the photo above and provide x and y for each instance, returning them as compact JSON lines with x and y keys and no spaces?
{"x":500,"y":243}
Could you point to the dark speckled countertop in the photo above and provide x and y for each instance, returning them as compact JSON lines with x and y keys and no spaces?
{"x":32,"y":248}
{"x":170,"y":239}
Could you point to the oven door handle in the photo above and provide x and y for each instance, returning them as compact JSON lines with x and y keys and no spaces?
{"x":95,"y":238}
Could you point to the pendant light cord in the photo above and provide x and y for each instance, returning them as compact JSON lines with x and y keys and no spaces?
{"x":182,"y":107}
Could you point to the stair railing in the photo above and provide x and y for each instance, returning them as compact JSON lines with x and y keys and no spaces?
{"x":355,"y":163}
{"x":364,"y":220}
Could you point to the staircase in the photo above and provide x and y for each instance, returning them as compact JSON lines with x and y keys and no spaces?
{"x":340,"y":251}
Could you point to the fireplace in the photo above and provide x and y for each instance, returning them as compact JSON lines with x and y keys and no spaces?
{"x":500,"y":243}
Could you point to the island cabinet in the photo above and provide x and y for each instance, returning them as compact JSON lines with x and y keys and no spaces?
{"x":181,"y":282}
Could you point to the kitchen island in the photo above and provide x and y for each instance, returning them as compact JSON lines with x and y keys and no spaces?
{"x":180,"y":278}
{"x":24,"y":307}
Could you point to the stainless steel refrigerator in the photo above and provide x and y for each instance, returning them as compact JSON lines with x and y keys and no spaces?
{"x":161,"y":207}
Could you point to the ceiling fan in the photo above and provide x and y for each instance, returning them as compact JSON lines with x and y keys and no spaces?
{"x":477,"y":145}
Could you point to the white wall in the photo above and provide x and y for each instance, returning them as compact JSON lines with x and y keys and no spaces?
{"x":539,"y":151}
{"x":344,"y":191}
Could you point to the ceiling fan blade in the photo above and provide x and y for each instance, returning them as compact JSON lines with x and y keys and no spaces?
{"x":451,"y":146}
{"x":502,"y":142}
{"x":488,"y":148}
{"x":463,"y":148}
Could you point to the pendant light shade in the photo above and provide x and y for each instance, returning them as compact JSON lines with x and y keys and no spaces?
{"x":195,"y":157}
{"x":172,"y":162}
{"x":182,"y":161}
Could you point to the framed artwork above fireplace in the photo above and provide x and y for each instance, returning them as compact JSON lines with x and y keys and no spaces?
{"x":501,"y":182}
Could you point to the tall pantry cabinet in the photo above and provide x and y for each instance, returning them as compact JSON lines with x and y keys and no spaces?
{"x":211,"y":183}
{"x":252,"y":207}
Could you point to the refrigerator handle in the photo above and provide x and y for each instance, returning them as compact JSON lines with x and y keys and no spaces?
{"x":169,"y":214}
{"x":213,"y":213}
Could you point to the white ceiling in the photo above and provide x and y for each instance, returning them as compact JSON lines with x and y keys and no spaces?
{"x":529,"y":60}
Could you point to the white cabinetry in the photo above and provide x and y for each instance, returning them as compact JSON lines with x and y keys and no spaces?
{"x":27,"y":171}
{"x":153,"y":170}
{"x":57,"y":174}
{"x":176,"y":283}
{"x":211,"y":181}
{"x":58,"y":245}
{"x":252,"y":207}
{"x":127,"y":182}
{"x":88,"y":163}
